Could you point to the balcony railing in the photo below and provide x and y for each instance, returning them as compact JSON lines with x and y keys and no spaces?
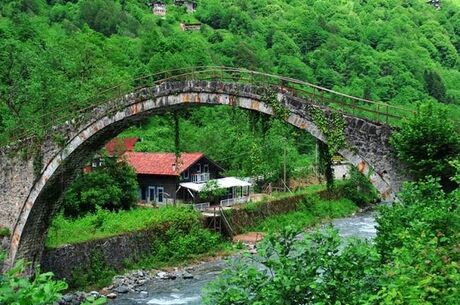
{"x":233,"y":201}
{"x":200,"y":178}
{"x":202,"y":206}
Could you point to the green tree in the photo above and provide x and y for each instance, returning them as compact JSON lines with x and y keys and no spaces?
{"x":113,"y":186}
{"x":427,"y":142}
{"x":434,"y":85}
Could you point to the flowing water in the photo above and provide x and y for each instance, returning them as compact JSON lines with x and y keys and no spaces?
{"x":187,"y":291}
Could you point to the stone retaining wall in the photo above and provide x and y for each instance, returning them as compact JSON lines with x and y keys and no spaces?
{"x":249,"y":217}
{"x":113,"y":252}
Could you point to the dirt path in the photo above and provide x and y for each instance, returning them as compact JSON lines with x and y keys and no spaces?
{"x":249,"y":238}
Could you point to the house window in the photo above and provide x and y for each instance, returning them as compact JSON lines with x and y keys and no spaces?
{"x":160,"y":194}
{"x":151,"y":194}
{"x":186,"y":174}
{"x":198,"y":168}
{"x":206,"y":168}
{"x":143,"y":194}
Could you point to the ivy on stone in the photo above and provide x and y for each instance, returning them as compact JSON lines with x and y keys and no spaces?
{"x":332,"y":126}
{"x":269,"y":97}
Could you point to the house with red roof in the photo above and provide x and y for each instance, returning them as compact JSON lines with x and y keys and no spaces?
{"x":164,"y":177}
{"x":160,"y":174}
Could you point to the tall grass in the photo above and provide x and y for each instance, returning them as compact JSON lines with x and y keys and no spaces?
{"x":105,"y":224}
{"x":310,"y":212}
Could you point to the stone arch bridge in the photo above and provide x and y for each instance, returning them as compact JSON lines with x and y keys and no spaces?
{"x":31,"y":186}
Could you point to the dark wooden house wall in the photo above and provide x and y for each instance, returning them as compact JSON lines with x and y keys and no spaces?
{"x":214,"y":170}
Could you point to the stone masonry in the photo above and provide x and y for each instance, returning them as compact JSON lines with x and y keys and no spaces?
{"x":32,"y":183}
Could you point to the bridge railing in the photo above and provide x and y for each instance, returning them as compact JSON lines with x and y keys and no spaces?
{"x":359,"y":107}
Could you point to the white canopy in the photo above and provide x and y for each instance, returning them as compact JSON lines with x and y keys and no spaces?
{"x":226,"y":182}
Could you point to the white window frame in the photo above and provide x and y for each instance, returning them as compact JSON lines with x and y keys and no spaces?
{"x":198,"y":165}
{"x":154,"y":194}
{"x":157,"y":193}
{"x":186,"y":174}
{"x":206,"y":168}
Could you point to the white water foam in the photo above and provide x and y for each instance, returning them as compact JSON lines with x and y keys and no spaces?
{"x":176,"y":301}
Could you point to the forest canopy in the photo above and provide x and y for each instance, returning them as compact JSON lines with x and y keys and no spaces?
{"x":57,"y":52}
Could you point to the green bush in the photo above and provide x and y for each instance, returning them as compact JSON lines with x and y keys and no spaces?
{"x":414,"y":260}
{"x":427,"y":142}
{"x":112,"y":186}
{"x":17,"y":290}
{"x":425,"y":210}
{"x":358,"y":189}
{"x":312,"y":270}
{"x":418,"y":242}
{"x":4,"y":232}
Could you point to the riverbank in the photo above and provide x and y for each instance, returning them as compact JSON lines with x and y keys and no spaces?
{"x":171,"y":237}
{"x":188,"y":291}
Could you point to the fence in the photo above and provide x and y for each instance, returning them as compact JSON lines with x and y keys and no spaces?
{"x":200,"y":178}
{"x":233,"y":201}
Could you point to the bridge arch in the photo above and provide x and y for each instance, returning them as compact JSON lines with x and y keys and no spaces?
{"x":30,"y":214}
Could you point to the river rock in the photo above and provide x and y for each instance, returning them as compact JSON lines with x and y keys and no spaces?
{"x":186,"y":275}
{"x":166,"y":275}
{"x":122,"y":289}
{"x":75,"y":298}
{"x":111,"y":296}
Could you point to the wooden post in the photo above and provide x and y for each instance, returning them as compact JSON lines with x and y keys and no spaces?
{"x":284,"y":169}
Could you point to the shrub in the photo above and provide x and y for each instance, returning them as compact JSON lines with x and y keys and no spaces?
{"x":291,"y":270}
{"x":414,"y":260}
{"x":425,"y":210}
{"x":358,"y":189}
{"x":17,"y":290}
{"x":113,"y":187}
{"x":427,"y":142}
{"x":4,"y":232}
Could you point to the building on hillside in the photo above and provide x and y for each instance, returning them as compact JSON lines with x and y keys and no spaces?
{"x":435,"y":3}
{"x":190,"y":5}
{"x":341,"y":168}
{"x":190,"y":26}
{"x":158,"y":8}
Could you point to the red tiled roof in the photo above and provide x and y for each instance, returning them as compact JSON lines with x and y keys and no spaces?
{"x":160,"y":163}
{"x":120,"y":146}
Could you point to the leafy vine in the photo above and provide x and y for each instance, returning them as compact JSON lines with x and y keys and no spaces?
{"x":332,"y":126}
{"x":269,"y":97}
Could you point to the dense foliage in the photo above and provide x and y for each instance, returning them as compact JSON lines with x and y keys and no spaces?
{"x":57,"y":54}
{"x":15,"y":289}
{"x":427,"y":143}
{"x":112,"y":186}
{"x":414,"y":261}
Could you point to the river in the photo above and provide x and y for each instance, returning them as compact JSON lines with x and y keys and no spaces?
{"x":187,"y":291}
